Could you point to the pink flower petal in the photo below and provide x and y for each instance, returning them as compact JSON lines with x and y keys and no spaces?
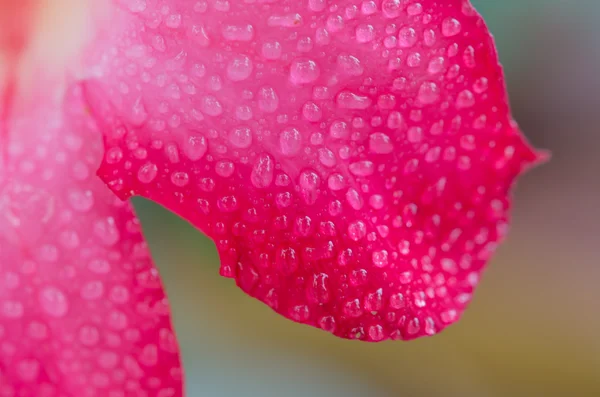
{"x":82,"y":308}
{"x":352,"y":160}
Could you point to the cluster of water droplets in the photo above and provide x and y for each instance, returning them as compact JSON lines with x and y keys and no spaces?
{"x":328,"y":147}
{"x":81,"y":305}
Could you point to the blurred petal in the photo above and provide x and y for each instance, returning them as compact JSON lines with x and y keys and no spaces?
{"x":82,"y":308}
{"x":351,"y":161}
{"x":16,"y":20}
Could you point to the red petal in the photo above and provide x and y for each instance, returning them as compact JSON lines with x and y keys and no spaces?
{"x":351,"y":161}
{"x":82,"y":308}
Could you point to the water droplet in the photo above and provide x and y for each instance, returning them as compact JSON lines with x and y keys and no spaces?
{"x":92,"y":290}
{"x":365,"y":33}
{"x":428,"y":93}
{"x":268,"y":101}
{"x":362,"y":168}
{"x":304,"y":71}
{"x":262,"y":172}
{"x":211,"y":106}
{"x":317,"y":290}
{"x":239,"y":68}
{"x":376,"y":202}
{"x":290,"y":141}
{"x":368,"y":7}
{"x":450,"y":27}
{"x":327,"y":323}
{"x":350,"y":100}
{"x":391,"y":8}
{"x":138,"y":114}
{"x":436,"y":65}
{"x":336,"y":182}
{"x":287,"y":260}
{"x":335,"y":23}
{"x":285,"y":21}
{"x":89,"y":335}
{"x":374,"y":301}
{"x":357,"y":230}
{"x":407,"y":37}
{"x":135,"y":6}
{"x":414,"y":134}
{"x":317,"y":5}
{"x":397,"y":301}
{"x":480,"y":85}
{"x":312,"y":112}
{"x":147,"y":172}
{"x":240,"y":137}
{"x":353,"y":308}
{"x":224,"y":168}
{"x":309,"y":180}
{"x":327,"y":157}
{"x":376,"y":332}
{"x":195,"y":147}
{"x":465,"y":99}
{"x":354,"y":199}
{"x":339,"y":130}
{"x":271,"y":50}
{"x":81,"y":200}
{"x":238,"y":32}
{"x":12,"y":309}
{"x":173,"y":21}
{"x":380,"y":143}
{"x":227,"y":203}
{"x":54,"y":302}
{"x":180,"y":178}
{"x":300,"y":313}
{"x":349,"y":65}
{"x":380,"y":258}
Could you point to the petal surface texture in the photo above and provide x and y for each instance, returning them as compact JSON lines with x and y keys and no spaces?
{"x":82,"y":308}
{"x":352,"y":160}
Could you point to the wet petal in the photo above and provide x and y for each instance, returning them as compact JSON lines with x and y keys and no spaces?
{"x":82,"y":308}
{"x":351,"y":160}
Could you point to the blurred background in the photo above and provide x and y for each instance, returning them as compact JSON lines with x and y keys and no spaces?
{"x":533,"y":328}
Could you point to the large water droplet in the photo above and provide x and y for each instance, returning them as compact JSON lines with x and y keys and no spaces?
{"x":349,"y":65}
{"x":357,"y":230}
{"x":304,"y":71}
{"x":54,"y":302}
{"x":238,"y":32}
{"x":271,"y":50}
{"x":240,"y":137}
{"x":262,"y":172}
{"x":350,"y":100}
{"x":407,"y":37}
{"x":147,"y":172}
{"x":450,"y":27}
{"x":365,"y":33}
{"x":239,"y":68}
{"x":380,"y":143}
{"x":428,"y":93}
{"x":195,"y":147}
{"x":290,"y":141}
{"x":268,"y":101}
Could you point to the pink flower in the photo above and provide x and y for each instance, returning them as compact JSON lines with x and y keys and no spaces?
{"x":82,"y":308}
{"x":352,"y":161}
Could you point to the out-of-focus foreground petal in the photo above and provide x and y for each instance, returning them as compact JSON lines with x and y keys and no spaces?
{"x":82,"y":308}
{"x":352,"y":160}
{"x":16,"y":19}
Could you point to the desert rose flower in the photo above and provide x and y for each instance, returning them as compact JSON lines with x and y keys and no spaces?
{"x":352,"y":160}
